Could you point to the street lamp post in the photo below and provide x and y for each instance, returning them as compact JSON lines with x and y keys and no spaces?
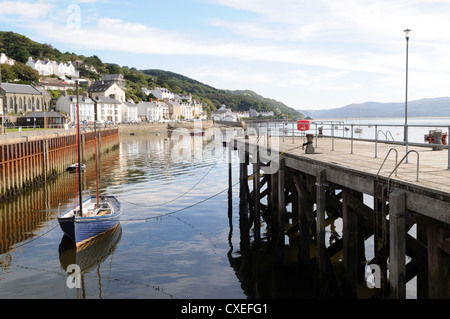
{"x":407,"y":31}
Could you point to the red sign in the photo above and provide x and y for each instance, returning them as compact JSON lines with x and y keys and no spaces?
{"x":303,"y":125}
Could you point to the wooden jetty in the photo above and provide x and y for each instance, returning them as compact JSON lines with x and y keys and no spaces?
{"x":398,"y":208}
{"x":27,"y":161}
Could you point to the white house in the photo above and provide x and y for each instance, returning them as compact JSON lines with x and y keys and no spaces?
{"x":129,"y":112}
{"x":108,"y":109}
{"x":112,"y":90}
{"x":223,"y":114}
{"x":163,"y":94}
{"x":184,"y":97}
{"x":68,"y":104}
{"x":5,"y":60}
{"x":199,"y":113}
{"x":115,"y":78}
{"x":47,"y":68}
{"x":153,"y":111}
{"x":187,"y":111}
{"x":44,"y":68}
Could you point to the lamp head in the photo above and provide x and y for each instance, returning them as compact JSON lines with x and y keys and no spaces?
{"x":407,"y":31}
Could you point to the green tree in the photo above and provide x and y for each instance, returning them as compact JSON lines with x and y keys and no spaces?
{"x":25,"y":73}
{"x":113,"y":68}
{"x":8,"y":74}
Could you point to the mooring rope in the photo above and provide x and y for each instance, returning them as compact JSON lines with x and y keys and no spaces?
{"x":178,"y":210}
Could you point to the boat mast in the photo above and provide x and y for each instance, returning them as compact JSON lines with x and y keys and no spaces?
{"x":96,"y":163}
{"x":78,"y":167}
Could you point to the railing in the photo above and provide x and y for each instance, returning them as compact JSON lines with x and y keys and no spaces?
{"x":401,"y":161}
{"x":396,"y":161}
{"x":338,"y":130}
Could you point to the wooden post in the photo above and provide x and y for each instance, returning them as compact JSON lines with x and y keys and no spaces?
{"x":44,"y":158}
{"x":3,"y":174}
{"x":274,"y":207}
{"x":303,"y":206}
{"x":397,"y":246}
{"x":256,"y":195}
{"x":438,"y":261}
{"x":243,"y":178}
{"x":350,"y":239}
{"x":230,"y":186}
{"x":320,"y":230}
{"x":422,"y":264}
{"x":281,"y":202}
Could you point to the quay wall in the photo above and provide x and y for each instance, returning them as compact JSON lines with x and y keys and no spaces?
{"x":27,"y":161}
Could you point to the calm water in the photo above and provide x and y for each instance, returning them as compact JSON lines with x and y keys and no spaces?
{"x":175,"y":241}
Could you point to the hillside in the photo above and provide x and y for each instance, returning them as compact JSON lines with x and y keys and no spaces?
{"x":236,"y":100}
{"x":273,"y":103}
{"x":432,"y":107}
{"x":19,"y":48}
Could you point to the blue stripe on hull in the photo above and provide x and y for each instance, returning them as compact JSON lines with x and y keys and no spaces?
{"x":85,"y":230}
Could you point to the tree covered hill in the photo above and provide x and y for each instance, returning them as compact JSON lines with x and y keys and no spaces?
{"x":236,"y":100}
{"x":20,"y":48}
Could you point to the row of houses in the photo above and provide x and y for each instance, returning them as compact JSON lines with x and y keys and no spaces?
{"x":104,"y":101}
{"x":107,"y":109}
{"x":101,"y":108}
{"x":48,"y":68}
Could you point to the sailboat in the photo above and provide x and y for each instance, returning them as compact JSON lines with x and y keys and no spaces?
{"x":93,"y":216}
{"x":359,"y":129}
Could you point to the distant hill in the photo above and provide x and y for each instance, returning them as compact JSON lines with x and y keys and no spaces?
{"x":431,"y":107}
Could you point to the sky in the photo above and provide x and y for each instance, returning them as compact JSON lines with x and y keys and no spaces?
{"x":308,"y":54}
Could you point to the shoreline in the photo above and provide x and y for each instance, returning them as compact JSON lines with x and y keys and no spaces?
{"x":152,"y":128}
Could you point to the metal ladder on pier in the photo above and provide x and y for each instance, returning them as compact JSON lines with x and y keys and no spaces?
{"x":381,"y":210}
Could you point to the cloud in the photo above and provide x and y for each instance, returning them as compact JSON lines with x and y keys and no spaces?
{"x":23,"y":11}
{"x":334,"y":46}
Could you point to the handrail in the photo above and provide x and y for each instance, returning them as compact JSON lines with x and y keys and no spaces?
{"x":404,"y":157}
{"x":385,"y":134}
{"x":389,"y":134}
{"x":396,"y":161}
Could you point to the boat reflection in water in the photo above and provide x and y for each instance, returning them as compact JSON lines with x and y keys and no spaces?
{"x":90,"y":255}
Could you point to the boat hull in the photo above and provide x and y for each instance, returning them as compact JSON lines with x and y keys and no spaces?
{"x":82,"y":229}
{"x":73,"y":168}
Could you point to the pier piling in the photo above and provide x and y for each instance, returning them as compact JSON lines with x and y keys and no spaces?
{"x":323,"y":188}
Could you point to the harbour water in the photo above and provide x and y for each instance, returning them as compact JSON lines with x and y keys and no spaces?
{"x":179,"y":237}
